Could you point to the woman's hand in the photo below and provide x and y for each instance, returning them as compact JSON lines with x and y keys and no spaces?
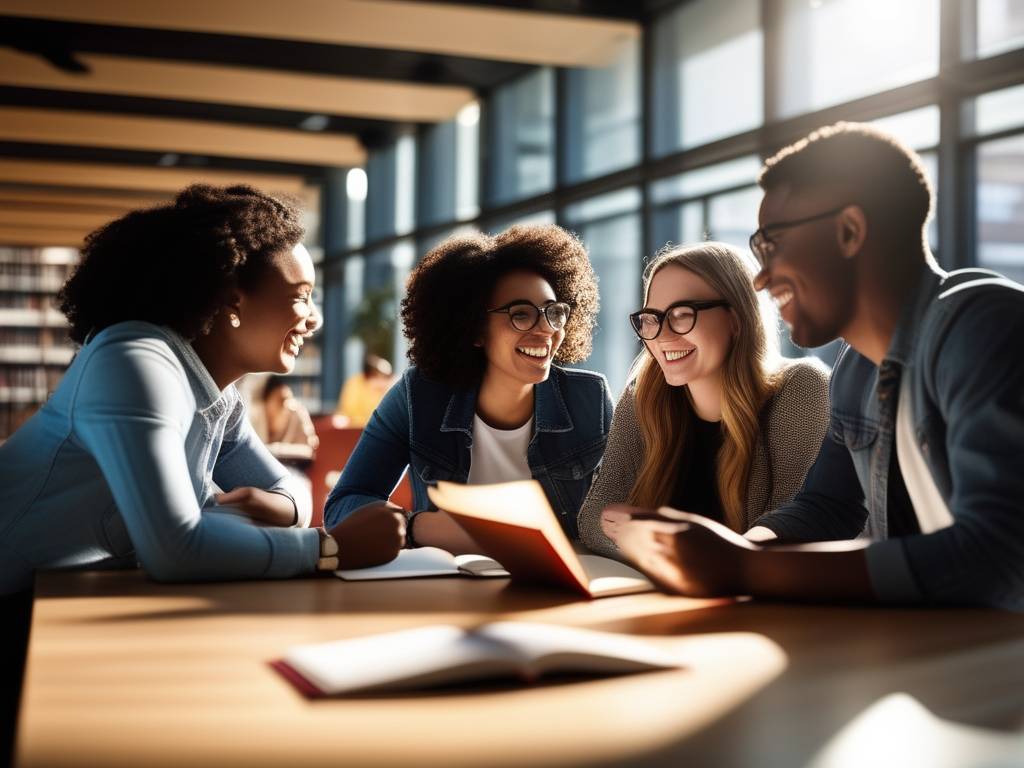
{"x":264,"y":507}
{"x":680,"y":552}
{"x":371,"y":535}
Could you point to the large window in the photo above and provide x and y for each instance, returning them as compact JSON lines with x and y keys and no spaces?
{"x":609,"y":226}
{"x":1000,"y":26}
{"x":662,"y":144}
{"x":448,"y":164}
{"x":603,"y":116}
{"x":999,"y":220}
{"x":708,"y":78}
{"x":717,"y":202}
{"x":831,"y":51}
{"x":521,"y":130}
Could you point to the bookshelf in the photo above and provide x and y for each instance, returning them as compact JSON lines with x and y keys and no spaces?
{"x":35,"y":348}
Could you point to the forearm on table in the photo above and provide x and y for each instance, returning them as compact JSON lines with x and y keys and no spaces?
{"x":827,"y":571}
{"x":436,"y":529}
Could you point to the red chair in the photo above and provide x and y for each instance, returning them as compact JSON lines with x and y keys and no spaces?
{"x":336,"y":444}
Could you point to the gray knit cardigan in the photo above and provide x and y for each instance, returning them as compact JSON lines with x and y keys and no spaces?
{"x":793,"y":425}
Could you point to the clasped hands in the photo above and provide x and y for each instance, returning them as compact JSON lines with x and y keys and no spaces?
{"x":371,"y":535}
{"x":680,"y":552}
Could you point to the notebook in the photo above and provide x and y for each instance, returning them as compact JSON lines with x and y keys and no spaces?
{"x":427,"y":561}
{"x":514,"y":523}
{"x":433,"y":656}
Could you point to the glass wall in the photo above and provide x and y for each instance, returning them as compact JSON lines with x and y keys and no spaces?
{"x":725,"y":84}
{"x":521,"y":138}
{"x":602,"y":117}
{"x":708,"y":73}
{"x":610,"y":227}
{"x":831,"y":51}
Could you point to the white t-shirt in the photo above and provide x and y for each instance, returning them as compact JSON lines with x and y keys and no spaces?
{"x":929,"y":506}
{"x":499,"y":455}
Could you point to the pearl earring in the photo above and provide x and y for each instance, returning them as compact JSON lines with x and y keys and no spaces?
{"x":235,"y":322}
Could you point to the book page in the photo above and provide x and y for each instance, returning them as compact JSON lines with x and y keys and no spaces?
{"x":410,"y":563}
{"x":514,"y":523}
{"x":480,"y":566}
{"x":549,"y":647}
{"x":407,"y":659}
{"x":610,"y":577}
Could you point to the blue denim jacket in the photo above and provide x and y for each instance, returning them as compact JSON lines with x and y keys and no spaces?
{"x":120,"y":464}
{"x":428,"y":427}
{"x":959,"y":341}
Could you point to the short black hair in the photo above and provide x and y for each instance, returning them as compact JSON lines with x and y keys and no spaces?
{"x":445,"y":307}
{"x":177,"y":264}
{"x":880,"y":174}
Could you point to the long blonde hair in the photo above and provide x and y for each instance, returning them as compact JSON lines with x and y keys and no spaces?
{"x":665,"y":413}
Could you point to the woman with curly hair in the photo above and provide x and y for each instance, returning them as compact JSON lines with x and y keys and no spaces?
{"x":711,"y":421}
{"x":171,"y":305}
{"x":487,"y":318}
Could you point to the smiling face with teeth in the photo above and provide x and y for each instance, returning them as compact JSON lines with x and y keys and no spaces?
{"x":807,"y":276}
{"x":699,"y":355}
{"x":520,"y":357}
{"x":276,"y":316}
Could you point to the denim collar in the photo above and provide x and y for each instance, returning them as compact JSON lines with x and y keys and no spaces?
{"x":209,"y":398}
{"x":902,"y":343}
{"x":550,"y":413}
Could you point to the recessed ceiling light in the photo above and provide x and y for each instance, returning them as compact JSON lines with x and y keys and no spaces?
{"x":315,"y":123}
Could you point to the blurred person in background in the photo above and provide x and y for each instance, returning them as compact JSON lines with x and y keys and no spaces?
{"x":362,"y":392}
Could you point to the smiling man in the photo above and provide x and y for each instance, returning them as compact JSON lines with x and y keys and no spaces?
{"x":917,"y":494}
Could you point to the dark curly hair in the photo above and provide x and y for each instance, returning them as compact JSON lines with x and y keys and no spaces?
{"x":447,"y":295}
{"x":177,"y":264}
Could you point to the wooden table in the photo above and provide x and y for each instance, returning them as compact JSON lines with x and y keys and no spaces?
{"x":126,"y":672}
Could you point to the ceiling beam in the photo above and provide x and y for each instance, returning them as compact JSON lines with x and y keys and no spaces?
{"x":35,"y":236}
{"x":220,"y":84}
{"x":460,"y":30}
{"x":141,"y":178}
{"x":80,"y":200}
{"x":53,"y":219}
{"x":197,"y":137}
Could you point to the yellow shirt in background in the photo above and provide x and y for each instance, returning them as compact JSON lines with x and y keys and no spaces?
{"x":360,"y":397}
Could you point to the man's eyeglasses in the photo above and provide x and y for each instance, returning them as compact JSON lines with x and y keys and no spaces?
{"x":763,"y":246}
{"x":524,"y":315}
{"x":681,"y":316}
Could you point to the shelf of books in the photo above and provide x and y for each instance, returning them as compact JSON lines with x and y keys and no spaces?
{"x":34,"y":345}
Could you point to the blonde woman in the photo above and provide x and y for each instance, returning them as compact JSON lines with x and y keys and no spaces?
{"x":712,"y":421}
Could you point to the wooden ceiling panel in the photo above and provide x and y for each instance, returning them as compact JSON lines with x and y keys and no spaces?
{"x":44,"y":126}
{"x":42,"y":236}
{"x":144,"y":179}
{"x":220,"y":84}
{"x":458,"y":30}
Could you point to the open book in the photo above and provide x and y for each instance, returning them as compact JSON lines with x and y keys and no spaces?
{"x":437,"y":655}
{"x":514,"y":523}
{"x":427,"y":561}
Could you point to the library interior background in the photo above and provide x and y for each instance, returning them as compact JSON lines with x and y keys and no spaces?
{"x":632,"y":124}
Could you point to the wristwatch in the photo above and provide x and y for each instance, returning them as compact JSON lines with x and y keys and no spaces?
{"x":328,"y":560}
{"x":410,"y":539}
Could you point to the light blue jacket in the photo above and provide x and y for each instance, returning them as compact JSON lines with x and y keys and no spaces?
{"x":119,"y":466}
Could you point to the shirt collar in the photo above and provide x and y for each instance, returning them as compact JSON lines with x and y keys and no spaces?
{"x":903,"y":337}
{"x":550,"y":413}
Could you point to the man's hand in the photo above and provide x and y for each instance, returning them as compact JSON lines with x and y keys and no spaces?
{"x":261,"y":506}
{"x":680,"y":552}
{"x":372,"y":535}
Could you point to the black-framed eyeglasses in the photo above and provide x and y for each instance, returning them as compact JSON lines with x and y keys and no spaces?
{"x":524,"y":315}
{"x":681,"y":316}
{"x":763,"y":246}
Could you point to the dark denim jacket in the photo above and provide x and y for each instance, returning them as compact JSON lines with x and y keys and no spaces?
{"x":428,"y":427}
{"x":959,"y":340}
